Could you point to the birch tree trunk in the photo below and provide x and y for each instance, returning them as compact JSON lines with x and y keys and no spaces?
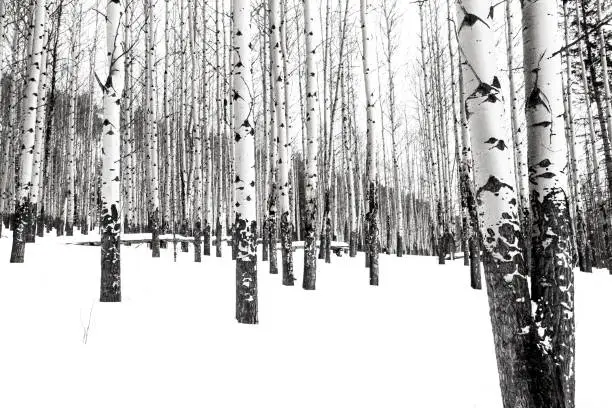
{"x":72,"y":100}
{"x":28,"y":125}
{"x":346,"y":133}
{"x":373,"y":132}
{"x":153,"y":142}
{"x":169,"y":157}
{"x":507,"y":288}
{"x":244,"y":139}
{"x":283,"y":144}
{"x":391,"y":18}
{"x":467,"y":187}
{"x":110,"y":286}
{"x":518,"y":143}
{"x":196,"y":140}
{"x":312,"y":128}
{"x":273,"y":199}
{"x":38,"y":140}
{"x":552,"y":275}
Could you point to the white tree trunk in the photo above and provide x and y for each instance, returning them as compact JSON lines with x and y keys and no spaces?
{"x":510,"y":307}
{"x":244,"y":139}
{"x":110,"y":288}
{"x":312,"y":147}
{"x":39,"y":135}
{"x":72,"y":100}
{"x":373,"y":133}
{"x":152,"y":123}
{"x":196,"y":140}
{"x":552,"y":276}
{"x":518,"y":142}
{"x":28,"y":126}
{"x":283,"y":143}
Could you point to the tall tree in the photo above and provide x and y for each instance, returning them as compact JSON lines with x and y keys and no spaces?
{"x":195,"y":137}
{"x":312,"y":127}
{"x":152,"y":129}
{"x":373,"y":132}
{"x":283,"y":143}
{"x":110,"y":286}
{"x":552,"y":275}
{"x":72,"y":101}
{"x":507,"y":288}
{"x":28,"y":125}
{"x":244,"y":139}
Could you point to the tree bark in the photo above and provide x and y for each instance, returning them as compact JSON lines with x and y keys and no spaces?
{"x":110,"y":285}
{"x":373,"y":132}
{"x":507,"y":289}
{"x":552,"y":276}
{"x":28,"y":125}
{"x":244,"y":139}
{"x":312,"y":127}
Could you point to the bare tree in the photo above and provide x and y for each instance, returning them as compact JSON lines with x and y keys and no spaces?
{"x":110,"y":286}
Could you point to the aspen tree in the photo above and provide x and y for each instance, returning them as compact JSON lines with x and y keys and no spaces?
{"x":373,"y":133}
{"x":346,"y":133}
{"x":110,"y":286}
{"x":391,"y":18}
{"x":207,"y":168}
{"x":169,"y":158}
{"x":311,"y":153}
{"x":552,"y":275}
{"x":38,"y":139}
{"x":195,"y":137}
{"x":72,"y":100}
{"x":518,"y":143}
{"x":244,"y":139}
{"x":468,"y":197}
{"x":266,"y":132}
{"x":509,"y":301}
{"x":273,"y":152}
{"x":283,"y":143}
{"x":154,"y":214}
{"x":28,"y":125}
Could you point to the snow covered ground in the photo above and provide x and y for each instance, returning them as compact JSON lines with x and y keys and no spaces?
{"x":421,"y":339}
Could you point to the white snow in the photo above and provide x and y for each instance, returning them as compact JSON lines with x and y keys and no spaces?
{"x":421,"y":339}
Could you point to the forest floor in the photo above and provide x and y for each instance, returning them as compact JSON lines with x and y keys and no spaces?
{"x":421,"y":339}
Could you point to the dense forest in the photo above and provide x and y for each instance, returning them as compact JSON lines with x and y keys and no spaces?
{"x":271,"y":129}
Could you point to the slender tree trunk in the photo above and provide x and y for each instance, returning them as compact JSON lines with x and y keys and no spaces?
{"x":552,"y":276}
{"x":283,"y":143}
{"x":312,"y":127}
{"x":373,"y":133}
{"x":153,"y":142}
{"x":273,"y":199}
{"x":110,"y":286}
{"x":196,"y":139}
{"x":467,"y":187}
{"x":39,"y":140}
{"x":72,"y":100}
{"x":28,"y":125}
{"x":518,"y":143}
{"x":246,"y":209}
{"x":509,"y":303}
